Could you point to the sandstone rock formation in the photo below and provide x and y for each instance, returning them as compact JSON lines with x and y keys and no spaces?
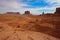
{"x":13,"y":13}
{"x":57,"y":11}
{"x":27,"y":13}
{"x":43,"y":13}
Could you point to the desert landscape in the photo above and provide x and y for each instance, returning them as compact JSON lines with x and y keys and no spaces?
{"x":14,"y":26}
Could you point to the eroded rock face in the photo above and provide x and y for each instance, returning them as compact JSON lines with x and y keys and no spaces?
{"x":27,"y":12}
{"x":57,"y":11}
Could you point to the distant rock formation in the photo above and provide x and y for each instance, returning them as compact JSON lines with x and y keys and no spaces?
{"x":13,"y":13}
{"x":43,"y":13}
{"x":27,"y":12}
{"x":57,"y":11}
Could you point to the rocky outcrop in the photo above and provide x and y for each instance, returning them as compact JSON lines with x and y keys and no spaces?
{"x":27,"y":13}
{"x":13,"y":13}
{"x":57,"y":11}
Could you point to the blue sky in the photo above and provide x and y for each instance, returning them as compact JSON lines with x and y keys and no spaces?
{"x":35,"y":3}
{"x":34,"y":6}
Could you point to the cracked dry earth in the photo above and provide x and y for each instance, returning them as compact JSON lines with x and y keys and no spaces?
{"x":8,"y":33}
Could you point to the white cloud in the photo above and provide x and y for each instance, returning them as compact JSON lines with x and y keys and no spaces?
{"x":54,"y":3}
{"x":39,"y":10}
{"x":13,"y":5}
{"x":10,"y":4}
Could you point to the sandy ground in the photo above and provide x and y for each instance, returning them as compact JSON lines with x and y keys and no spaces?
{"x":13,"y":34}
{"x":8,"y":31}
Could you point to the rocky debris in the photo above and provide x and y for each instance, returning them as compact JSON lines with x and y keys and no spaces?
{"x":57,"y":10}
